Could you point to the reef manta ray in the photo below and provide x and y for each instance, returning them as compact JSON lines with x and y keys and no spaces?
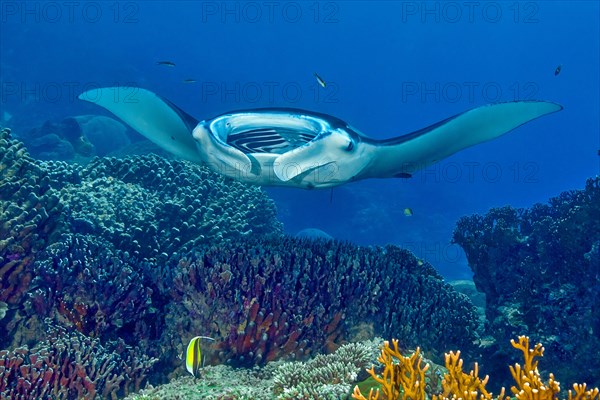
{"x":304,"y":149}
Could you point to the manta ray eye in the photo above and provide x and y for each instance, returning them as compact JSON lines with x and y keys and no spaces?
{"x":350,"y":146}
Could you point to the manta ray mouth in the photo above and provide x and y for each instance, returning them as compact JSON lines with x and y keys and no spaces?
{"x":269,"y":140}
{"x":262,"y":132}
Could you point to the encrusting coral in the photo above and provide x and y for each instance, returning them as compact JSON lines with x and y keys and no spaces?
{"x":404,"y":378}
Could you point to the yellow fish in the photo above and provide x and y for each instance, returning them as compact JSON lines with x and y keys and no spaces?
{"x":408,"y":212}
{"x":320,"y":80}
{"x":194,"y":359}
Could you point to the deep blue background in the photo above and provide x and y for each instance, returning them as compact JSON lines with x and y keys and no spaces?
{"x":391,"y":68}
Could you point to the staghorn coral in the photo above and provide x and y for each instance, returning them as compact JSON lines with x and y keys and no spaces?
{"x":292,"y":298}
{"x":399,"y":381}
{"x":69,"y":365}
{"x":534,"y":265}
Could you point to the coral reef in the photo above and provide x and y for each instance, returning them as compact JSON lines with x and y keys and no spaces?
{"x":292,"y":298}
{"x":403,"y":378}
{"x":324,"y":377}
{"x":30,"y":212}
{"x":540,"y":271}
{"x":69,"y":365}
{"x":84,"y":282}
{"x":74,"y":239}
{"x":148,"y":206}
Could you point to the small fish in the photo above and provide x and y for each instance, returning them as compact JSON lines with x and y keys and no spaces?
{"x":408,"y":212}
{"x":3,"y":309}
{"x":190,"y":80}
{"x":558,"y":69}
{"x":194,"y":359}
{"x":320,"y":80}
{"x":166,"y":63}
{"x":419,"y":262}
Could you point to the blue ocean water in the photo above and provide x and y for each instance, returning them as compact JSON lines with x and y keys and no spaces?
{"x":126,"y":263}
{"x":391,"y":67}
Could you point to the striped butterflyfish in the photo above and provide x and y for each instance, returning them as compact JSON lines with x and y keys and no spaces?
{"x":194,"y":358}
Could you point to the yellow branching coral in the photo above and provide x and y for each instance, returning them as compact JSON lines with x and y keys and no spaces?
{"x":459,"y":385}
{"x":582,"y":394}
{"x":404,"y":378}
{"x":529,"y":383}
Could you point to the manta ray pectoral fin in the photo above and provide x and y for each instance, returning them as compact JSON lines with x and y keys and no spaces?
{"x":150,"y":115}
{"x":403,"y":155}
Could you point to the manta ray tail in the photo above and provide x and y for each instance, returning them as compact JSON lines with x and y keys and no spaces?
{"x":403,"y":155}
{"x":156,"y":118}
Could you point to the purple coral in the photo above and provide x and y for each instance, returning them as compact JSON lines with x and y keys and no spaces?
{"x":292,"y":298}
{"x":69,"y":365}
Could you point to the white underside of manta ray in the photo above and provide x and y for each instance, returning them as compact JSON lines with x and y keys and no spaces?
{"x":304,"y":149}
